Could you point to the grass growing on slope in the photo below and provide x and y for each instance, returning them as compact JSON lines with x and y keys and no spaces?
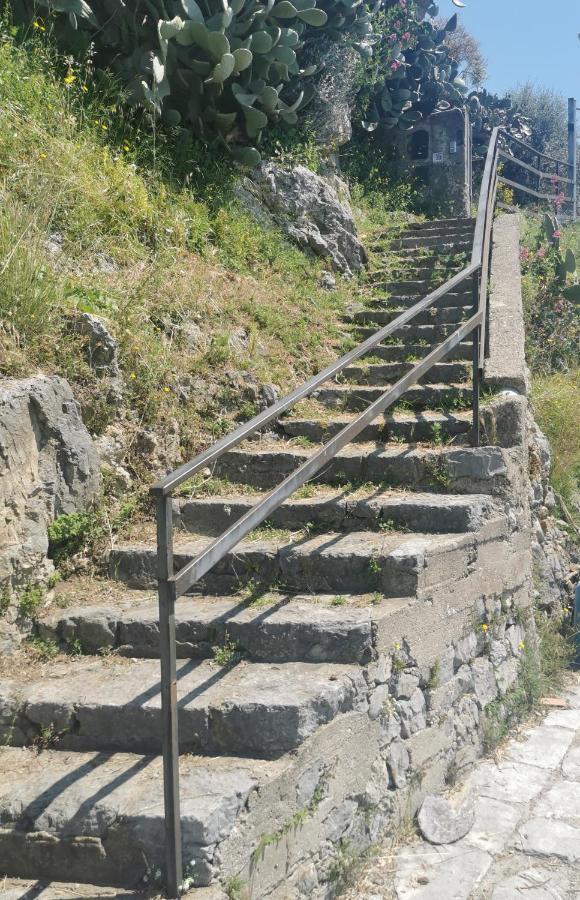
{"x":103,"y":214}
{"x":556,"y":400}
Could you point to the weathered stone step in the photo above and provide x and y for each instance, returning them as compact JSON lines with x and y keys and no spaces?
{"x":267,"y":626}
{"x":443,"y":242}
{"x":421,"y":396}
{"x":98,"y":817}
{"x":456,"y":469}
{"x":431,"y":271}
{"x":413,"y":334}
{"x":257,"y":709}
{"x":442,"y":223}
{"x":414,"y":288}
{"x":400,"y":352}
{"x":389,"y":373}
{"x":403,"y":301}
{"x":443,"y":251}
{"x":421,"y":426}
{"x":442,"y":315}
{"x":337,"y":510}
{"x":393,"y":563}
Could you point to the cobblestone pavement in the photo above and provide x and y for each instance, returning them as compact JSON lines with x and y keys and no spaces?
{"x":525,"y":843}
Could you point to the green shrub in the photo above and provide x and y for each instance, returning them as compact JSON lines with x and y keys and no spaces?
{"x":70,"y":533}
{"x":30,"y":601}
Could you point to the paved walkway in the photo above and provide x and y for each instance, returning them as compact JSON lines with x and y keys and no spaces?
{"x":525,"y":843}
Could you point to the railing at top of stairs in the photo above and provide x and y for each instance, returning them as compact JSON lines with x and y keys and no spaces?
{"x":173,"y":584}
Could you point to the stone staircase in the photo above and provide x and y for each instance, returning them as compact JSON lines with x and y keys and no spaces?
{"x":292,"y":696}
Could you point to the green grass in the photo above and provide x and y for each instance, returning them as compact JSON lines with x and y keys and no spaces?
{"x":556,"y":400}
{"x":153,"y":240}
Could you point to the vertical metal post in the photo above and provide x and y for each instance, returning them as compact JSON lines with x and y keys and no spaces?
{"x":572,"y":155}
{"x":174,"y":867}
{"x":475,"y":439}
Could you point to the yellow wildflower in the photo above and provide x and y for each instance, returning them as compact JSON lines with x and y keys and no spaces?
{"x":38,"y":25}
{"x":521,"y":646}
{"x":84,"y":88}
{"x":42,"y":155}
{"x":166,"y":389}
{"x":484,"y":627}
{"x":69,"y":77}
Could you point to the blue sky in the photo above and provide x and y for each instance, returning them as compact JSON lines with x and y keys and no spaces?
{"x":525,"y":40}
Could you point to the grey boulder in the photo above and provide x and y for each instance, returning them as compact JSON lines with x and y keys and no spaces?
{"x":441,"y":822}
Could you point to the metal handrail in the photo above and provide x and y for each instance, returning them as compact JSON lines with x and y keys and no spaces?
{"x":523,"y":165}
{"x":172,"y":585}
{"x":536,"y":152}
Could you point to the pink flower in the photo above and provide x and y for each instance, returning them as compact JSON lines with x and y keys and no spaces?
{"x":524,"y":254}
{"x":559,"y":306}
{"x":394,"y":66}
{"x":557,"y":234}
{"x":392,"y":37}
{"x":403,"y":3}
{"x":541,"y":252}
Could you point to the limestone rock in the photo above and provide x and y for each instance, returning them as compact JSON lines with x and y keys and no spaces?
{"x":48,"y":466}
{"x":336,"y":90}
{"x":442,"y":823}
{"x":309,"y":210}
{"x":102,"y":347}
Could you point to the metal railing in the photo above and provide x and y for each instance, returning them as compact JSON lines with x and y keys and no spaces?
{"x":174,"y":584}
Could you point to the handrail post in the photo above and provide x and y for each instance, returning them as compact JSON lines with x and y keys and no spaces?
{"x":169,"y":724}
{"x":476,"y":385}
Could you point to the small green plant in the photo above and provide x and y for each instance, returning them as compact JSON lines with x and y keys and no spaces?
{"x":376,"y":598}
{"x":338,"y":601}
{"x":437,"y":472}
{"x":30,"y":601}
{"x":437,"y":434}
{"x":236,"y":888}
{"x":228,"y":653}
{"x":70,"y":533}
{"x":74,"y":647}
{"x":42,"y":649}
{"x":47,"y":738}
{"x":5,"y":600}
{"x":434,"y":676}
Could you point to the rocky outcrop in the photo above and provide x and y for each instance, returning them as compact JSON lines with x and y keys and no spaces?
{"x":308,"y":209}
{"x":48,"y":466}
{"x":330,"y":113}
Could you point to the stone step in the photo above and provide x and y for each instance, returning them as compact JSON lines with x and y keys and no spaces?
{"x":412,"y":334}
{"x":422,"y":426}
{"x":249,"y":708}
{"x":266,"y":626}
{"x":443,"y":242}
{"x":415,"y":288}
{"x":403,"y":301}
{"x":442,"y":315}
{"x":442,"y":223}
{"x":400,"y":352}
{"x":443,"y":251}
{"x":389,"y":373}
{"x":392,"y":563}
{"x":456,"y":469}
{"x":335,"y":510}
{"x":23,"y":888}
{"x":98,"y":817}
{"x":430,"y":271}
{"x":420,"y":396}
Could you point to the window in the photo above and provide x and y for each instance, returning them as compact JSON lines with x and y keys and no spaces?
{"x":420,"y":145}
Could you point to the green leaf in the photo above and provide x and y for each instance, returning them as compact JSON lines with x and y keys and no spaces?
{"x":315,"y":17}
{"x":572,"y":293}
{"x":223,"y":69}
{"x":284,"y":10}
{"x":171,"y":28}
{"x":243,"y":59}
{"x":193,"y":11}
{"x":246,"y":156}
{"x":261,"y":42}
{"x":570,"y":261}
{"x":218,"y":44}
{"x":269,"y":98}
{"x":451,"y":24}
{"x":199,"y":34}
